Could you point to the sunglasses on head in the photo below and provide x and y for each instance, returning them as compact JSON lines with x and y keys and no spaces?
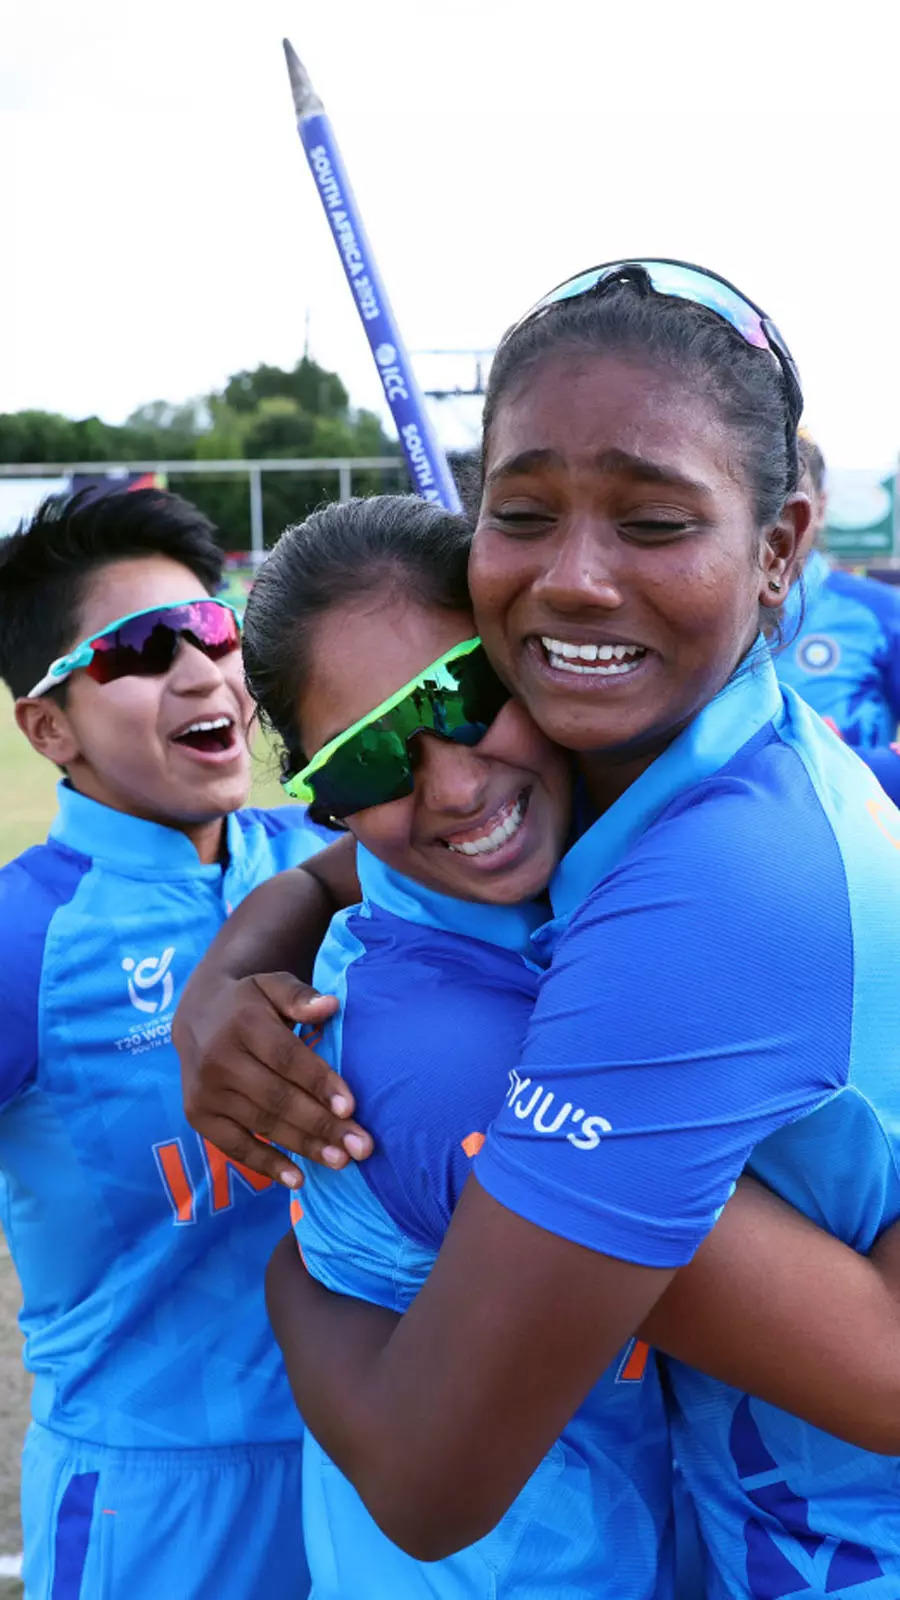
{"x":143,"y":644}
{"x":684,"y":281}
{"x":457,"y":697}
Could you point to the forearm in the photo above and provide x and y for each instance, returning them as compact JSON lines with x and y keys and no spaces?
{"x":501,"y":1345}
{"x":775,"y":1306}
{"x":331,"y":1345}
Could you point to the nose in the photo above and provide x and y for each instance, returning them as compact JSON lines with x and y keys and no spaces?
{"x":579,"y":571}
{"x":450,"y":778}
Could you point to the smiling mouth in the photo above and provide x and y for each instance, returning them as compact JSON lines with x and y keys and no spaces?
{"x":494,"y":833}
{"x":593,"y":660}
{"x":209,"y":735}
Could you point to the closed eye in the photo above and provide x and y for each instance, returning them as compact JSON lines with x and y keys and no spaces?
{"x":522,"y":522}
{"x":658,"y":528}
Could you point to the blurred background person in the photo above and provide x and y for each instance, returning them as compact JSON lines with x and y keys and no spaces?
{"x":842,"y":632}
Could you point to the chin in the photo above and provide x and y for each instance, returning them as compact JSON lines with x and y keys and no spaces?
{"x":217,"y":801}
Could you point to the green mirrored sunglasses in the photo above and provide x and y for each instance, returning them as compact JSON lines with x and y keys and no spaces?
{"x":457,"y":697}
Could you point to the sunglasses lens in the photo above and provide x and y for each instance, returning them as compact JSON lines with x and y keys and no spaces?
{"x":145,"y":646}
{"x":683,"y":283}
{"x":687,"y":283}
{"x":482,"y":695}
{"x":212,"y":628}
{"x":375,"y":766}
{"x":369,"y":770}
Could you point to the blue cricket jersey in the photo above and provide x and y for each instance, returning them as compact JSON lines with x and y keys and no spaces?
{"x":884,"y":760}
{"x":845,"y":658}
{"x":729,"y":992}
{"x":435,"y":997}
{"x":140,"y":1248}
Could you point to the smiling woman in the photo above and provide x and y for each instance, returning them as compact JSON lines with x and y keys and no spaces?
{"x":634,"y":525}
{"x":144,"y":709}
{"x":640,"y":499}
{"x":383,"y":581}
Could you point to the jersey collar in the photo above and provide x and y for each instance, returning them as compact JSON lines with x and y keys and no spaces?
{"x":751,"y":698}
{"x":135,"y":847}
{"x":509,"y":927}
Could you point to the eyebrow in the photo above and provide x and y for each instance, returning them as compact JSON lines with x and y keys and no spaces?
{"x":526,"y":461}
{"x":619,"y":461}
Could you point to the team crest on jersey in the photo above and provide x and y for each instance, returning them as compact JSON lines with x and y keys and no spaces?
{"x":818,"y":653}
{"x":150,"y":982}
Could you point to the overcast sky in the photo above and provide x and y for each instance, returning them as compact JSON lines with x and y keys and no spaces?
{"x":161,"y":228}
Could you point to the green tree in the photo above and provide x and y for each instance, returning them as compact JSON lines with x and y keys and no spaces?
{"x":317,"y":391}
{"x":265,"y":413}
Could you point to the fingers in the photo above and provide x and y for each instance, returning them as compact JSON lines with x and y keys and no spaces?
{"x":250,"y":1079}
{"x":283,"y":1114}
{"x":295,"y":1000}
{"x":264,"y":1036}
{"x":239,"y":1145}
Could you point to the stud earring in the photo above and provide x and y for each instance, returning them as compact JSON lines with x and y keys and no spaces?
{"x":775,"y":585}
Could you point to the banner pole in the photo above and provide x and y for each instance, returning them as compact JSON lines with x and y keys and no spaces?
{"x":427,"y":462}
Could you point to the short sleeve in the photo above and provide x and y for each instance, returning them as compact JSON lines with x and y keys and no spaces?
{"x":31,"y":889}
{"x":884,"y":761}
{"x":700,"y":998}
{"x":431,"y":1024}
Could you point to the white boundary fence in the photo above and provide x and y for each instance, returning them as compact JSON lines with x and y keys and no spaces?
{"x":344,"y":466}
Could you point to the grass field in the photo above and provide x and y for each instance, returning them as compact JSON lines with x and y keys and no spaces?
{"x":27,"y":805}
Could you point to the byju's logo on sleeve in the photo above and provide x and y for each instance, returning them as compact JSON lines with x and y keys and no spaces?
{"x":150,"y":984}
{"x":540,"y":1108}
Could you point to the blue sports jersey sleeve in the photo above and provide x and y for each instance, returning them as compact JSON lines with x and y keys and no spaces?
{"x":402,"y":1052}
{"x":884,"y":761}
{"x":683,"y":1019}
{"x":883,"y":600}
{"x":31,"y":889}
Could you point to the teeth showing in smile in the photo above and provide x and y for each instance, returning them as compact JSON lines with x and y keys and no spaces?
{"x":207,"y":735}
{"x":207,"y":727}
{"x":595,"y":660}
{"x":483,"y":844}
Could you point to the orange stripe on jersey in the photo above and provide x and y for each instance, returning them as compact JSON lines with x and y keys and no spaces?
{"x":472,"y":1144}
{"x":635,"y":1364}
{"x":296,"y":1212}
{"x":220,"y":1170}
{"x":883,"y":812}
{"x":177,"y":1181}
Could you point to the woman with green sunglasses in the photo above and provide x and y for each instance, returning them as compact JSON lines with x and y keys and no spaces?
{"x":722,"y":986}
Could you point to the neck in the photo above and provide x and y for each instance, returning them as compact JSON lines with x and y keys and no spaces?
{"x":208,"y":838}
{"x":607,"y":774}
{"x":607,"y":778}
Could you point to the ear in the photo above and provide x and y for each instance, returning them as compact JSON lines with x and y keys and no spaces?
{"x":781,"y":549}
{"x":47,"y":729}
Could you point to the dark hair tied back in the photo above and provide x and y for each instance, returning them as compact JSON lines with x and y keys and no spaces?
{"x":625,"y":316}
{"x":342,"y":553}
